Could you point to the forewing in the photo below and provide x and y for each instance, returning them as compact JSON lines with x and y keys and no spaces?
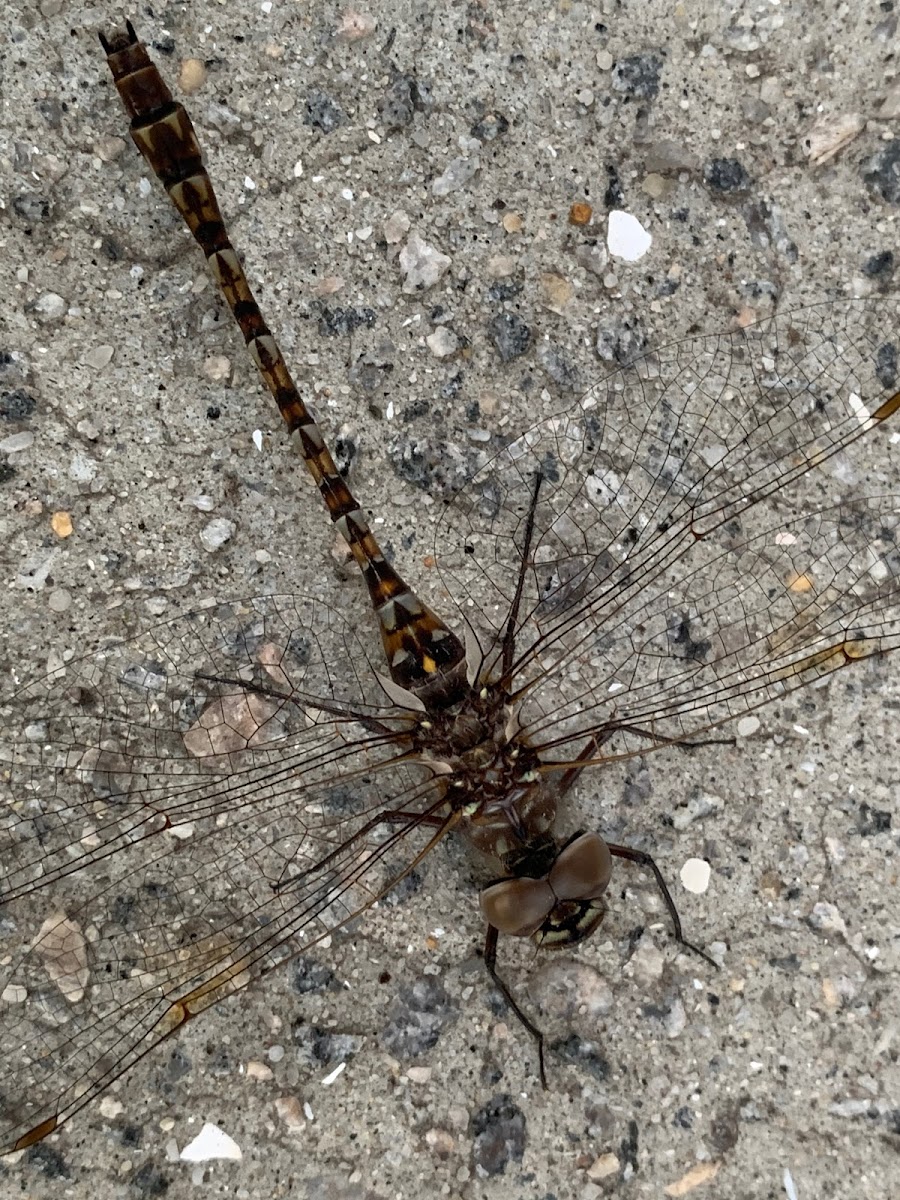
{"x":181,"y":813}
{"x":701,"y":538}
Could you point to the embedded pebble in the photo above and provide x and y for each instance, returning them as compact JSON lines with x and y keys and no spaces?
{"x":626,"y":237}
{"x":419,"y":1074}
{"x":443,"y":342}
{"x":99,"y":357}
{"x":603,"y":1167}
{"x":491,"y":126}
{"x":675,"y":1020}
{"x":882,"y":172}
{"x":396,"y":227}
{"x":726,"y":175}
{"x":156,"y":605}
{"x":510,"y":335}
{"x":82,"y":469}
{"x":201,"y":502}
{"x":291,"y":1113}
{"x":17,"y":442}
{"x":656,"y":186}
{"x":560,"y":369}
{"x":647,"y":963}
{"x":455,"y":175}
{"x":593,"y":257}
{"x":192,"y":75}
{"x":668,"y":156}
{"x":353,"y":26}
{"x":61,"y":945}
{"x":16,"y":405}
{"x":422,"y":264}
{"x":328,"y":285}
{"x":701,"y":1173}
{"x":695,"y":875}
{"x":59,"y":600}
{"x":211,"y":1142}
{"x":500,"y":1135}
{"x":61,"y":524}
{"x":827,"y":918}
{"x":88,"y":429}
{"x":638,"y":75}
{"x":216,"y":534}
{"x":850,"y":1108}
{"x":108,"y":149}
{"x":322,"y":112}
{"x":500,"y":266}
{"x":217,"y":367}
{"x":558,"y":291}
{"x":566,"y":988}
{"x":403,"y":98}
{"x":417,"y":1016}
{"x":440,"y":1142}
{"x":890,"y":106}
{"x":621,"y":341}
{"x":836,"y":851}
{"x":50,"y":307}
{"x":259,"y":1071}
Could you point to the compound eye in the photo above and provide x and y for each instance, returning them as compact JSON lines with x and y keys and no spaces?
{"x":582,"y":869}
{"x":517,"y":907}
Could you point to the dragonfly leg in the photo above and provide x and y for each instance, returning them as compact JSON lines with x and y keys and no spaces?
{"x":645,"y":860}
{"x":509,"y":636}
{"x":596,"y":740}
{"x":490,"y":961}
{"x":431,"y":820}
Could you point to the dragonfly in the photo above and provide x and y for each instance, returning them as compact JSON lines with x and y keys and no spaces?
{"x":186,"y":811}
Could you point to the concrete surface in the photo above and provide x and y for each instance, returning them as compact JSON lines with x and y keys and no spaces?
{"x":775,"y":1076}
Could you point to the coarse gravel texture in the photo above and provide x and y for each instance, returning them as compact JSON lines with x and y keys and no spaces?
{"x":127,"y":396}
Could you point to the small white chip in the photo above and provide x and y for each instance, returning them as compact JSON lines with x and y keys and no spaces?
{"x":211,"y":1142}
{"x":695,"y":875}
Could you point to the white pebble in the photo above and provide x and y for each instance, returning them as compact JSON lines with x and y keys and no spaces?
{"x":211,"y":1142}
{"x":216,"y":534}
{"x":443,"y":342}
{"x":422,"y":265}
{"x":626,"y":237}
{"x":99,"y":357}
{"x":332,"y":1075}
{"x":16,"y":442}
{"x":695,"y":875}
{"x":50,"y":307}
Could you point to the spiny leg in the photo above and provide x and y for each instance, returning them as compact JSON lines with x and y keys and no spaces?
{"x":645,"y":860}
{"x":509,"y":635}
{"x":626,"y":852}
{"x":490,"y":961}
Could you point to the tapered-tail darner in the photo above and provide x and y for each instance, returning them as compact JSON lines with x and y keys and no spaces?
{"x":661,"y":559}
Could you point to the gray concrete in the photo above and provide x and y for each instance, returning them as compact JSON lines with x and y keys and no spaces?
{"x":785,"y":1059}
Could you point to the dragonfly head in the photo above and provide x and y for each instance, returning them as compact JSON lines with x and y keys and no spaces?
{"x":560,"y":908}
